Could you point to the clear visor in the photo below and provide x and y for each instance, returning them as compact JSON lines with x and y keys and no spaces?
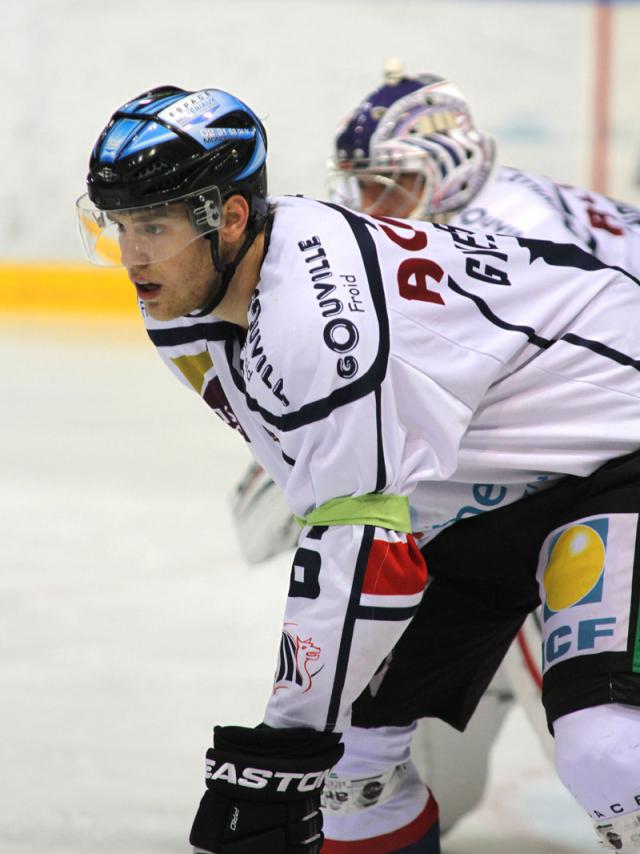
{"x":377,"y":193}
{"x":132,"y":237}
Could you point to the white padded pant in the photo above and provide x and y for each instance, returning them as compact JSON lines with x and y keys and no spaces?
{"x":597,"y":754}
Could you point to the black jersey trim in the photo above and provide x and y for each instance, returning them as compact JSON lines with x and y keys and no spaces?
{"x":319,"y":409}
{"x":176,"y":335}
{"x":569,"y":220}
{"x":484,"y":309}
{"x":350,"y":617}
{"x":288,"y":460}
{"x":369,"y":612}
{"x":602,"y":350}
{"x":560,"y":254}
{"x":543,"y":343}
{"x":381,"y":479}
{"x":626,"y":273}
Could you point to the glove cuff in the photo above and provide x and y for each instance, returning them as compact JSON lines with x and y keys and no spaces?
{"x":263,"y":764}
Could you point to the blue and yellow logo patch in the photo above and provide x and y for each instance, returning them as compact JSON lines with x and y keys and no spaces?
{"x":574,"y":574}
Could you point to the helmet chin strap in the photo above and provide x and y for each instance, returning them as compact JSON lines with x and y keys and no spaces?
{"x":227,"y":270}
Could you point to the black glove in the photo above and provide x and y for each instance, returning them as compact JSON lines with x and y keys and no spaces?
{"x":263,"y":791}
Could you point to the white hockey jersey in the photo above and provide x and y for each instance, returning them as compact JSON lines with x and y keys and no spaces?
{"x":523,"y":204}
{"x":386,"y":356}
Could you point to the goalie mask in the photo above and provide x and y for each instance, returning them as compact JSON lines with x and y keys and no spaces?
{"x":161,"y":171}
{"x":410,"y":149}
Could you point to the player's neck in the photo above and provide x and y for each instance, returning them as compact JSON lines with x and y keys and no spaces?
{"x":235,"y":306}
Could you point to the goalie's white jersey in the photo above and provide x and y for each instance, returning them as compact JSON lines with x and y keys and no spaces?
{"x":526,"y":205}
{"x":388,"y":356}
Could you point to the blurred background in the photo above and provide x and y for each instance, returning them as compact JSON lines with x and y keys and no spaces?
{"x":555,"y":82}
{"x":129,"y":622}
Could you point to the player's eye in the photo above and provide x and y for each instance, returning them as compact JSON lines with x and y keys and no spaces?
{"x":153,"y":229}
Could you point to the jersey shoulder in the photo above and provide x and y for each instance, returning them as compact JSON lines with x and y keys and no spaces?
{"x":183,"y":344}
{"x":317,"y":332}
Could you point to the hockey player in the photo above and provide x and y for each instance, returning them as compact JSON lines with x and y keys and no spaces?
{"x":411,"y":148}
{"x":369,"y":363}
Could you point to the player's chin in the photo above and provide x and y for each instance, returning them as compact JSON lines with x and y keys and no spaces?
{"x":158,"y":309}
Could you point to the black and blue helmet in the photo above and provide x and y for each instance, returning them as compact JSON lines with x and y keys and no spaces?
{"x":171,"y":147}
{"x":168,"y":142}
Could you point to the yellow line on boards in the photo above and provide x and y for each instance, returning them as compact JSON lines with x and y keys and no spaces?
{"x":66,"y":287}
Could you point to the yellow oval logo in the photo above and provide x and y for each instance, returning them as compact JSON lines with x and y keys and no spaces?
{"x":575,"y":565}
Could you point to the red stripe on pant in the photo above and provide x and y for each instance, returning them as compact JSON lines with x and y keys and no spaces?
{"x":395,"y":569}
{"x":389,"y":842}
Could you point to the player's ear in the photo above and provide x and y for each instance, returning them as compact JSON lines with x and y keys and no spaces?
{"x":236,"y":217}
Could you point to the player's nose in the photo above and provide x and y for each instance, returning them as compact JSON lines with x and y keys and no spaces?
{"x":132,"y":252}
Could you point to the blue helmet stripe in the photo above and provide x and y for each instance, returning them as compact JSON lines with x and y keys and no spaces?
{"x":150,"y":135}
{"x":257,"y":159}
{"x":117,"y":137}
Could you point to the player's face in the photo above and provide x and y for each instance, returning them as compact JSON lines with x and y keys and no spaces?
{"x":384,"y":197}
{"x":168,"y":263}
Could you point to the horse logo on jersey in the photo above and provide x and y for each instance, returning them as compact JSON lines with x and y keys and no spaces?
{"x":295,"y":662}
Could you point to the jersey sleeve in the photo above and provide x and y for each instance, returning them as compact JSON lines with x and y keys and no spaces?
{"x":354,"y":587}
{"x":353,"y":590}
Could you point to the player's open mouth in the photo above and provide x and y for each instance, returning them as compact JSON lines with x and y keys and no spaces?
{"x":147,"y":290}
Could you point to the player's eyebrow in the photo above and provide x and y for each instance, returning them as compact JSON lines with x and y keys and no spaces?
{"x":161,"y":212}
{"x":146,"y":216}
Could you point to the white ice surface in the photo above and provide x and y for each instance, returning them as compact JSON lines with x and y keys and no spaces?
{"x":129,"y":623}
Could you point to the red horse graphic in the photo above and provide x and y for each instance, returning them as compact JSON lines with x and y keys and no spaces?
{"x":296,"y":655}
{"x":306,"y":651}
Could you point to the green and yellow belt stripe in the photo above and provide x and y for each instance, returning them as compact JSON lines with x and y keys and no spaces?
{"x":384,"y":511}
